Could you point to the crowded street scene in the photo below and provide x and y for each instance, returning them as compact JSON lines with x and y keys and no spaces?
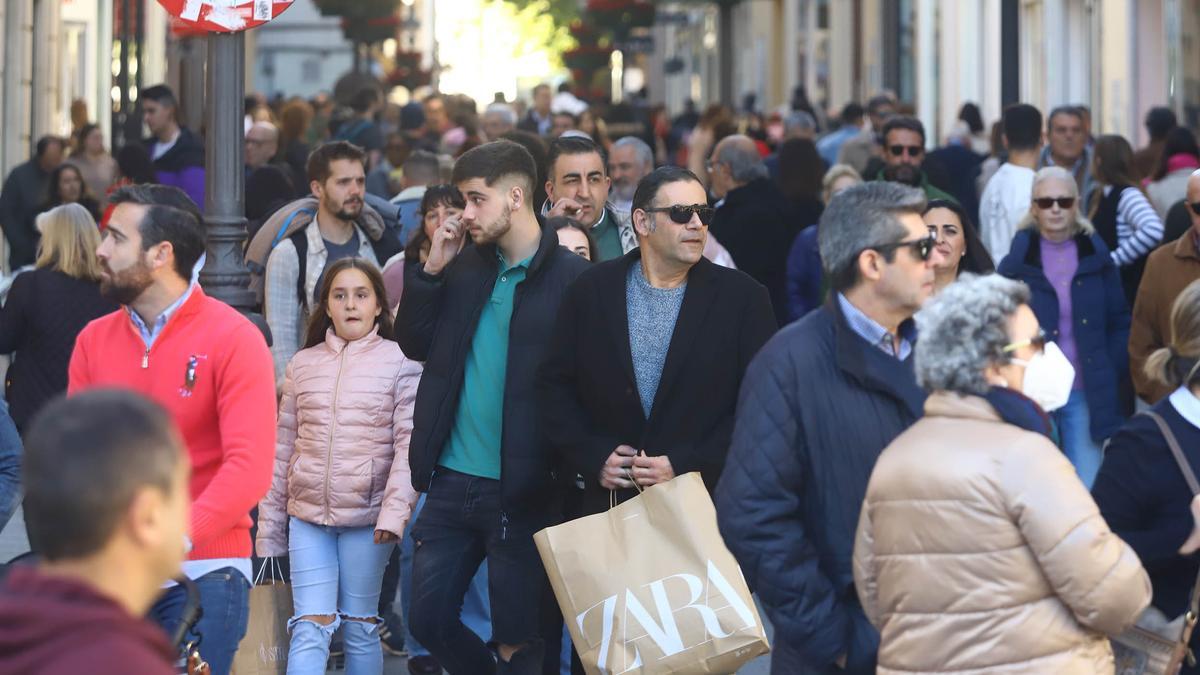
{"x":566,"y":337}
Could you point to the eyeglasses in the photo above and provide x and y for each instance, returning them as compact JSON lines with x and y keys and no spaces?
{"x":683,"y":214}
{"x":900,"y":150}
{"x":1045,"y":203}
{"x":1195,"y":207}
{"x":922,"y":248}
{"x":1038,"y":342}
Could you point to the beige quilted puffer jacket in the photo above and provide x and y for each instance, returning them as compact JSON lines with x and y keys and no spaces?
{"x":341,"y":458}
{"x":979,"y":551}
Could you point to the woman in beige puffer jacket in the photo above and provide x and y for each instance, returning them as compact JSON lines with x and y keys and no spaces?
{"x":342,"y":493}
{"x":978,"y":548}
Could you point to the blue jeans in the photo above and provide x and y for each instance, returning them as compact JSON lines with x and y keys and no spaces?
{"x":225,"y":601}
{"x":476,"y":612}
{"x":336,"y":572}
{"x":461,"y":525}
{"x":1074,"y":427}
{"x":10,"y":466}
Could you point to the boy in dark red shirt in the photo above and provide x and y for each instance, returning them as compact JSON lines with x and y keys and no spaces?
{"x":106,"y":489}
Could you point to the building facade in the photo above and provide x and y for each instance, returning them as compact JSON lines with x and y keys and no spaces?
{"x":1119,"y":57}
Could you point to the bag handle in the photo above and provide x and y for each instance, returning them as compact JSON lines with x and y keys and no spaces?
{"x":276,"y":571}
{"x":1193,"y":485}
{"x":612,"y":494}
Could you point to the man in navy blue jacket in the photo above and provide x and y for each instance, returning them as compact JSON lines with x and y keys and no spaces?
{"x":818,"y":404}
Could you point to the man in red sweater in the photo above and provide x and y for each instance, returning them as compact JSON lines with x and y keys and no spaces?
{"x":211,"y":369}
{"x":106,"y":485}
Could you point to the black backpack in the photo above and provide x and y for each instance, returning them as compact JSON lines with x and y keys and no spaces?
{"x":385,"y":247}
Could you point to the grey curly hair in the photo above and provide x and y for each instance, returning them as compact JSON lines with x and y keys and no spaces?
{"x":963,"y":330}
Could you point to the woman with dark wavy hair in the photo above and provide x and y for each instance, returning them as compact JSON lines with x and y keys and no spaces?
{"x":957,"y":241}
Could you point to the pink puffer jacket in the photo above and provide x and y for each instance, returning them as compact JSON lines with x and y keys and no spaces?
{"x":341,"y":458}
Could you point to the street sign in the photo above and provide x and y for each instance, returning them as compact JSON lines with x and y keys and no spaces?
{"x":643,"y":44}
{"x":224,"y":16}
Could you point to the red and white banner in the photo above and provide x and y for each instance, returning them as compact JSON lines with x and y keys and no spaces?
{"x":224,"y":16}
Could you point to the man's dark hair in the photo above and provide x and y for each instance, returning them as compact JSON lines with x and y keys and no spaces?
{"x":904,"y":122}
{"x":574,"y":145}
{"x":540,"y":87}
{"x":1072,"y":110}
{"x":422,"y":167}
{"x":85,"y":459}
{"x":172,"y":216}
{"x":1159,"y":121}
{"x":648,"y":187}
{"x":852,"y":113}
{"x":494,"y":161}
{"x":879,"y":101}
{"x":363,"y":99}
{"x":160,"y":94}
{"x":44,"y":143}
{"x":1022,"y":127}
{"x":320,"y":160}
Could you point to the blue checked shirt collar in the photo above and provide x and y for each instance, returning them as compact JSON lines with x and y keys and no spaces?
{"x":878,"y":336}
{"x":150,"y":333}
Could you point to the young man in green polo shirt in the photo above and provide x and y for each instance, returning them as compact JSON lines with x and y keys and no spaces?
{"x":479,"y":314}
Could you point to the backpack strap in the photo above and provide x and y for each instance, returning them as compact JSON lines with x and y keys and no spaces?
{"x":286,"y":224}
{"x":299,"y":239}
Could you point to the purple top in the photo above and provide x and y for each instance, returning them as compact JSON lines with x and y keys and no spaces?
{"x":1060,"y":260}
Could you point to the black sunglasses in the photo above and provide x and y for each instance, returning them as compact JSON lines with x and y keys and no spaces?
{"x":1044,"y":203}
{"x":922,"y":248}
{"x":683,"y":214}
{"x":912,"y":150}
{"x":1195,"y":207}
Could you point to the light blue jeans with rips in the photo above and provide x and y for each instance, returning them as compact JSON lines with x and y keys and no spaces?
{"x":338,"y":572}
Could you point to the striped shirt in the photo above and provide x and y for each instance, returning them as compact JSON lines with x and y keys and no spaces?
{"x":1139,"y":229}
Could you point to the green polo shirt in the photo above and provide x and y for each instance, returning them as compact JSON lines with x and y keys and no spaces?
{"x":474,"y":445}
{"x":607,"y":236}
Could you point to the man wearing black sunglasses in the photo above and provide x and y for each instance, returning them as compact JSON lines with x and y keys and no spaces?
{"x":818,"y":405}
{"x":1169,"y":269}
{"x":903,"y":153}
{"x":648,"y":352}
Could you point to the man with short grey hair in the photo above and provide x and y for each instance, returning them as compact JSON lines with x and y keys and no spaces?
{"x":630,"y":160}
{"x":420,"y":170}
{"x":818,"y":404}
{"x":754,"y":221}
{"x":498,"y":119}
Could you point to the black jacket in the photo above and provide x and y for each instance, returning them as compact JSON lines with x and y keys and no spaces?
{"x":817,"y":407}
{"x":21,"y":198}
{"x":45,"y":311}
{"x":589,"y":396}
{"x":436,"y":323}
{"x":756,"y":225}
{"x":1145,"y":499}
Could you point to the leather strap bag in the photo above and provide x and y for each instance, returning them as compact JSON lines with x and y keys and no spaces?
{"x":1154,"y":645}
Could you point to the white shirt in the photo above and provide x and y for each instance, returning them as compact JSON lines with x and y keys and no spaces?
{"x":1187,"y":405}
{"x":161,"y":147}
{"x":1005,"y":201}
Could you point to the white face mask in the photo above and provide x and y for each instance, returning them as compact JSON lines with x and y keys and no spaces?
{"x":1049,"y":377}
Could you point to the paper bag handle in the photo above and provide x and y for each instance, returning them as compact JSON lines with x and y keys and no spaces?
{"x":612,"y":494}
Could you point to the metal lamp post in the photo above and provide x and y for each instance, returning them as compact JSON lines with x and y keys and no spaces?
{"x":225,"y":276}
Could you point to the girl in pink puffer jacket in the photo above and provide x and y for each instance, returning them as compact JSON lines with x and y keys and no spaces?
{"x":341,"y":495}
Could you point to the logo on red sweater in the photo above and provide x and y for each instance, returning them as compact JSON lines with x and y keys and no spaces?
{"x":189,"y":374}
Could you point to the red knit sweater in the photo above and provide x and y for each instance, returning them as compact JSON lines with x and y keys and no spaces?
{"x":226,"y":416}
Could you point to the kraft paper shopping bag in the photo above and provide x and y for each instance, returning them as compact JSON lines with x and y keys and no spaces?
{"x":648,"y":587}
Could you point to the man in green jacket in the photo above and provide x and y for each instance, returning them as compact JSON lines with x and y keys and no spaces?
{"x":903,"y":152}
